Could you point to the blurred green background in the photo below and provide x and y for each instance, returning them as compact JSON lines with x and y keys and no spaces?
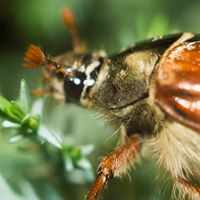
{"x":104,"y":24}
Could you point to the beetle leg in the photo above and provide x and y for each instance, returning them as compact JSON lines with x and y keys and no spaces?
{"x":40,"y":92}
{"x":187,"y":188}
{"x":70,"y":23}
{"x":115,"y":164}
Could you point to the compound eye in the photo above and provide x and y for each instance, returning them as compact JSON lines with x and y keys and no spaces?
{"x":73,"y":86}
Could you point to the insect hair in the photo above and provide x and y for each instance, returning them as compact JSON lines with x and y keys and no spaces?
{"x":177,"y":149}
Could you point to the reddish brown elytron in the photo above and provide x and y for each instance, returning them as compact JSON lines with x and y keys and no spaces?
{"x":178,"y":84}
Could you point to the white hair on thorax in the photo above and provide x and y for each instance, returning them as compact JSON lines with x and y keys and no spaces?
{"x":177,"y":149}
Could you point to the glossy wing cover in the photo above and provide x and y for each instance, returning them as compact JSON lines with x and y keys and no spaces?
{"x":177,"y":88}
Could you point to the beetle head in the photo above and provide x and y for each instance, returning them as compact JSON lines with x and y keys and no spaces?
{"x":76,"y":77}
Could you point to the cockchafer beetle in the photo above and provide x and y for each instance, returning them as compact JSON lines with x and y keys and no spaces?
{"x":150,"y":90}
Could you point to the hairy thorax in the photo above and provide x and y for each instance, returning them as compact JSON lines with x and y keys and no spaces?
{"x":123,"y":94}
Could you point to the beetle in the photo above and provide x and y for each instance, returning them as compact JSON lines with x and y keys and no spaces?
{"x":150,"y":90}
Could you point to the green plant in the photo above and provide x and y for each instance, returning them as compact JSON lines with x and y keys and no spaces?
{"x":22,"y":119}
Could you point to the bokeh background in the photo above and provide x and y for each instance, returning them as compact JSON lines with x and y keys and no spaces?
{"x":104,"y":24}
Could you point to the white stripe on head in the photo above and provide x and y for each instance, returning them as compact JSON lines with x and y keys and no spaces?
{"x":89,"y":81}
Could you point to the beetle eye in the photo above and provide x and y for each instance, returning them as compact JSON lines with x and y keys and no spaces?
{"x":73,"y":86}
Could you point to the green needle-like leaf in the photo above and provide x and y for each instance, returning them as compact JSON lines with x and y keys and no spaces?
{"x":24,"y":96}
{"x":10,"y":110}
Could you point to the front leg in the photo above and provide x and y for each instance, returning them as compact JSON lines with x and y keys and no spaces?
{"x":115,"y":164}
{"x":187,"y":188}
